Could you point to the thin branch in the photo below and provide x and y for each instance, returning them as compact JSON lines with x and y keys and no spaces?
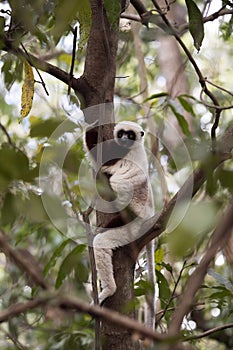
{"x":40,"y":76}
{"x":157,"y":224}
{"x":220,"y":13}
{"x":7,"y":135}
{"x":79,"y":85}
{"x":202,"y":80}
{"x":172,"y":294}
{"x":22,"y":261}
{"x":139,"y":7}
{"x":209,"y":332}
{"x":73,"y":58}
{"x":131,"y":17}
{"x":216,"y":243}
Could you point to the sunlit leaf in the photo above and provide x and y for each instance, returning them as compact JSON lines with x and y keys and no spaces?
{"x":27,"y":91}
{"x":159,"y":256}
{"x":196,"y":26}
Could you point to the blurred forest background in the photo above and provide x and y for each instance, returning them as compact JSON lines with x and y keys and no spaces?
{"x":45,"y":180}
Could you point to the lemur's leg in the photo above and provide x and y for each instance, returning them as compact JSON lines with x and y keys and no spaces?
{"x":103,"y":260}
{"x":104,"y":243}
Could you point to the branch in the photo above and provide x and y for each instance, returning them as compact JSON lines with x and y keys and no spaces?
{"x":218,"y":240}
{"x":157,"y":224}
{"x":7,"y":135}
{"x":210,"y":18}
{"x":209,"y":332}
{"x":202,"y":80}
{"x":79,"y":85}
{"x":22,"y":261}
{"x":72,"y":303}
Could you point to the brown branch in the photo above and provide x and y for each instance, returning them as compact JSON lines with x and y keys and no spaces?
{"x":18,"y":308}
{"x":156,"y":225}
{"x":217,"y":242}
{"x":71,"y":303}
{"x":209,"y":332}
{"x":172,"y":294}
{"x":202,"y":80}
{"x":79,"y":85}
{"x":73,"y":58}
{"x":22,"y":261}
{"x":139,"y":7}
{"x":210,"y":18}
{"x":7,"y":135}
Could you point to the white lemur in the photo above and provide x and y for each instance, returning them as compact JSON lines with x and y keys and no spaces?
{"x":123,"y":160}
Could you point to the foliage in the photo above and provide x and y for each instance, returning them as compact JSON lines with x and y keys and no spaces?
{"x":30,"y":164}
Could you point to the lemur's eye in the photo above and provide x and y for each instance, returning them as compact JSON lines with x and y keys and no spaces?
{"x":120,"y":134}
{"x":131,"y":135}
{"x":142,"y":133}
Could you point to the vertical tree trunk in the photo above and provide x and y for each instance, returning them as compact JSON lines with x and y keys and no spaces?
{"x":99,"y":81}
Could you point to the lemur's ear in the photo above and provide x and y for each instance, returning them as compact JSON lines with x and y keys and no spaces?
{"x":142,"y":133}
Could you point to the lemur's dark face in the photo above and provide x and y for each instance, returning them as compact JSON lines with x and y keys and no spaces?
{"x":126,"y":138}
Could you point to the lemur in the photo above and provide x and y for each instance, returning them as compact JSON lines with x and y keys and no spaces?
{"x":124,"y":162}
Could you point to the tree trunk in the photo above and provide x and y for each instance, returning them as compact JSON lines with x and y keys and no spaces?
{"x":99,"y":80}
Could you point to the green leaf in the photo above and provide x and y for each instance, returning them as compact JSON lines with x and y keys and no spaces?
{"x":143,"y":287}
{"x":226,"y":178}
{"x":84,"y":18}
{"x":181,"y":120}
{"x":155,"y":96}
{"x":69,"y":263}
{"x":164,"y":290}
{"x":56,"y":254}
{"x":196,"y":26}
{"x":113,"y":9}
{"x":65,"y":13}
{"x":187,"y":106}
{"x":44,"y":128}
{"x":9,"y":213}
{"x":14,"y":164}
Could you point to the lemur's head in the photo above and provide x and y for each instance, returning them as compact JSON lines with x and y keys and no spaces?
{"x":128,"y":134}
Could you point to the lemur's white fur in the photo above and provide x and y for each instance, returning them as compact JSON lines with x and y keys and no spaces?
{"x":127,"y":174}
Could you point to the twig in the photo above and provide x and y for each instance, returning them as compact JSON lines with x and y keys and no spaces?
{"x":202,"y":80}
{"x":40,"y":76}
{"x":172,"y":294}
{"x":73,"y":58}
{"x":7,"y":135}
{"x":22,"y":261}
{"x":153,"y":227}
{"x":15,"y":341}
{"x":210,"y":331}
{"x":219,"y":87}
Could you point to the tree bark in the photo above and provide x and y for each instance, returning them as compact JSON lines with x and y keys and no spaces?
{"x":99,"y":77}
